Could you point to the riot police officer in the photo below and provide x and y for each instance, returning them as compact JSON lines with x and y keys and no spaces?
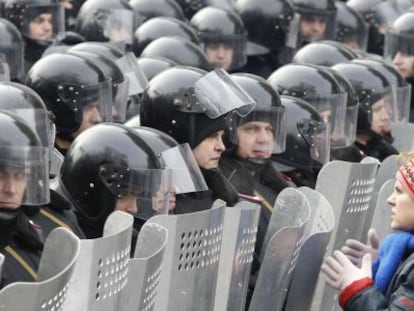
{"x":377,"y":108}
{"x":272,"y":31}
{"x":39,"y":21}
{"x":222,"y":36}
{"x":190,"y":105}
{"x":76,"y":101}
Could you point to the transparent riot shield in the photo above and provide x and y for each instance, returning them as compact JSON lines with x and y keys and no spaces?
{"x":144,"y":269}
{"x":60,"y":254}
{"x":102,"y":270}
{"x":236,"y":257}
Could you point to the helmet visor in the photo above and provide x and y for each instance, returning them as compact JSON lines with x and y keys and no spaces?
{"x":27,"y":170}
{"x":149,"y":188}
{"x":120,"y":93}
{"x":78,"y":97}
{"x":403,"y":96}
{"x":4,"y":71}
{"x":262,"y":132}
{"x":13,"y":55}
{"x":39,"y":120}
{"x":316,"y":135}
{"x":119,"y":26}
{"x":216,"y":94}
{"x":317,"y":25}
{"x":133,"y":72}
{"x":333,"y":110}
{"x":186,"y":176}
{"x":292,"y":32}
{"x":396,"y":42}
{"x":44,"y":22}
{"x":232,"y":49}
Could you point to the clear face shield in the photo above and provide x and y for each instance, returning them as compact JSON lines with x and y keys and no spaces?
{"x":133,"y":72}
{"x":403,"y":97}
{"x":119,"y":26}
{"x":354,"y":38}
{"x":4,"y":71}
{"x":397,"y":45}
{"x":315,"y":27}
{"x":216,"y":94}
{"x":316,"y":135}
{"x":261,"y":133}
{"x":186,"y":176}
{"x":382,"y":112}
{"x":26,"y":169}
{"x":120,"y":99}
{"x":292,"y":31}
{"x":13,"y":56}
{"x":145,"y":191}
{"x":225,"y":51}
{"x":79,"y":97}
{"x":333,"y":111}
{"x":44,"y":22}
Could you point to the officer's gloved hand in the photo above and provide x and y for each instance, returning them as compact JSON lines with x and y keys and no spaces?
{"x":340,"y":272}
{"x":355,"y":250}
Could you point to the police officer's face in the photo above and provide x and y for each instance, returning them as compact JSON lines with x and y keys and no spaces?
{"x":90,"y":117}
{"x":41,"y":27}
{"x":255,"y":140}
{"x":312,"y":27}
{"x":404,"y":64}
{"x":220,"y":55}
{"x":12,"y":187}
{"x":127,"y":203}
{"x":381,"y":123}
{"x":208,"y":152}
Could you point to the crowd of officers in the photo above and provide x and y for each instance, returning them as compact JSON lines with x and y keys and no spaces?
{"x":163,"y":106}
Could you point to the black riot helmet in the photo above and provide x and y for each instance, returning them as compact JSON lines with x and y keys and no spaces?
{"x":104,"y":164}
{"x":191,"y":7}
{"x":190,"y":104}
{"x":318,"y":87}
{"x":151,"y":66}
{"x":316,"y":12}
{"x":12,"y":48}
{"x":23,"y":12}
{"x":270,"y":24}
{"x":324,"y":53}
{"x":27,"y":104}
{"x":222,"y":33}
{"x":147,"y":9}
{"x":307,"y":136}
{"x":67,"y":84}
{"x":109,"y":20}
{"x":177,"y":158}
{"x":158,"y":27}
{"x":367,"y":9}
{"x":400,"y":37}
{"x":120,"y":84}
{"x":351,"y":28}
{"x":21,"y":149}
{"x":268,"y":109}
{"x":125,"y":61}
{"x":374,"y":93}
{"x":401,"y":87}
{"x":180,"y":50}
